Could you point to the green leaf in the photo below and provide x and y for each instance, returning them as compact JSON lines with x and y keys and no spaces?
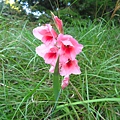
{"x":56,"y":81}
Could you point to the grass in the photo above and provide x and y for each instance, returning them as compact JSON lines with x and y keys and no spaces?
{"x":26,"y":86}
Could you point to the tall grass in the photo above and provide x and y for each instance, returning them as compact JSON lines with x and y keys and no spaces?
{"x":26,"y":86}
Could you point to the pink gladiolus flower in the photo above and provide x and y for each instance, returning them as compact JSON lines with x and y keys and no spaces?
{"x":46,"y":34}
{"x":63,"y":46}
{"x":59,"y":24}
{"x":70,"y":67}
{"x":49,"y":54}
{"x":65,"y":82}
{"x":42,"y":50}
{"x":69,"y":47}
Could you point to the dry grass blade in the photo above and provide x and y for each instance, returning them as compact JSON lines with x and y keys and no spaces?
{"x":117,"y":7}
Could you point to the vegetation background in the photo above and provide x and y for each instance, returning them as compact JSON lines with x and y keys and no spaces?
{"x":26,"y":91}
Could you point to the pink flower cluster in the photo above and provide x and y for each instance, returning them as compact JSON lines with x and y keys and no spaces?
{"x":58,"y":45}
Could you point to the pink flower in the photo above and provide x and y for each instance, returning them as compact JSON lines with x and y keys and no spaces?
{"x":59,"y":24}
{"x":70,"y":67}
{"x":63,"y":46}
{"x":42,"y":50}
{"x":65,"y":82}
{"x":69,"y":47}
{"x":49,"y":54}
{"x":46,"y":34}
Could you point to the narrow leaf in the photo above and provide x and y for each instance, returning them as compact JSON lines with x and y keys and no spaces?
{"x":56,"y":81}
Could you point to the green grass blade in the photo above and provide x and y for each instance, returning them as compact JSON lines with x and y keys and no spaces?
{"x":89,"y":101}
